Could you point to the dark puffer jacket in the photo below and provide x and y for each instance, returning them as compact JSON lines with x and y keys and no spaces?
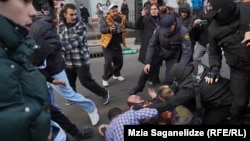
{"x":24,"y":110}
{"x":44,"y":32}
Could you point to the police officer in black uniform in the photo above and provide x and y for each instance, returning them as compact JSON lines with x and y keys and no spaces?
{"x":230,"y":24}
{"x":170,"y":40}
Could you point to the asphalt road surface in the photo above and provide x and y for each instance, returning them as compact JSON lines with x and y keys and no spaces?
{"x":118,"y":90}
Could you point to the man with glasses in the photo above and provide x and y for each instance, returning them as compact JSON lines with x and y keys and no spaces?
{"x":113,"y":34}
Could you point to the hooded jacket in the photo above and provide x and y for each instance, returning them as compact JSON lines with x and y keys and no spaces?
{"x":24,"y":107}
{"x":189,"y":20}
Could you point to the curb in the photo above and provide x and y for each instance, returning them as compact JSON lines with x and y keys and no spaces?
{"x":95,"y":50}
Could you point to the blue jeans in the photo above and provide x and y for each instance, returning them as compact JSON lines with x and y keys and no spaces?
{"x":69,"y":94}
{"x":51,"y":96}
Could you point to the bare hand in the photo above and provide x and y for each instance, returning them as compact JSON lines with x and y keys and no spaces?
{"x":101,"y":128}
{"x":152,"y":93}
{"x":50,"y":137}
{"x":197,"y":22}
{"x":246,"y":39}
{"x":147,"y":68}
{"x":207,"y":46}
{"x":112,"y":29}
{"x":210,"y":80}
{"x":143,"y":12}
{"x":59,"y":82}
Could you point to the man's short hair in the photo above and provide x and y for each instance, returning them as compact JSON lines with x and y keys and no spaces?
{"x":69,"y":6}
{"x":113,"y":112}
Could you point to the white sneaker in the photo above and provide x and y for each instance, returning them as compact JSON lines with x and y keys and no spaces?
{"x":94,"y":117}
{"x":105,"y":83}
{"x":120,"y":78}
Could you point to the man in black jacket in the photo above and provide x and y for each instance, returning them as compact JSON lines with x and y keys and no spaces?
{"x":215,"y":99}
{"x":230,"y":24}
{"x":84,"y":14}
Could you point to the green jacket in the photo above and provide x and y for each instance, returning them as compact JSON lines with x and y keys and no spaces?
{"x":24,"y":111}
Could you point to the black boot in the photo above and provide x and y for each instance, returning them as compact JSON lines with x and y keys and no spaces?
{"x":135,"y":91}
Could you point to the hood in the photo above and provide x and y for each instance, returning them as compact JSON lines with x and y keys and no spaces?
{"x":185,"y":6}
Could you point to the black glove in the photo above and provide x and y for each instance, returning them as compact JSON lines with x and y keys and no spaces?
{"x":214,"y":73}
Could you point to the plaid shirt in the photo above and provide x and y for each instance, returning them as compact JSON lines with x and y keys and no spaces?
{"x":73,"y":39}
{"x":115,"y":130}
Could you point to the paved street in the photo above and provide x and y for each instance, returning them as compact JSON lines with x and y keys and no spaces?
{"x":130,"y":71}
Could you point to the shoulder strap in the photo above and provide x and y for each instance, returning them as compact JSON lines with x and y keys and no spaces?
{"x":196,"y":86}
{"x":197,"y":76}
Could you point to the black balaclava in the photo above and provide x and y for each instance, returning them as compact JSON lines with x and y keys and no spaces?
{"x":226,"y":15}
{"x":179,"y":72}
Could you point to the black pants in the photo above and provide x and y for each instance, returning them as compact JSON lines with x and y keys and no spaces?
{"x":216,"y":115}
{"x":63,"y":121}
{"x":154,"y":68}
{"x":85,"y":19}
{"x":85,"y":79}
{"x":113,"y":62}
{"x":240,"y":88}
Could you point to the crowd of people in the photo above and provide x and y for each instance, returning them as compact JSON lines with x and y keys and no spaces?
{"x":38,"y":57}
